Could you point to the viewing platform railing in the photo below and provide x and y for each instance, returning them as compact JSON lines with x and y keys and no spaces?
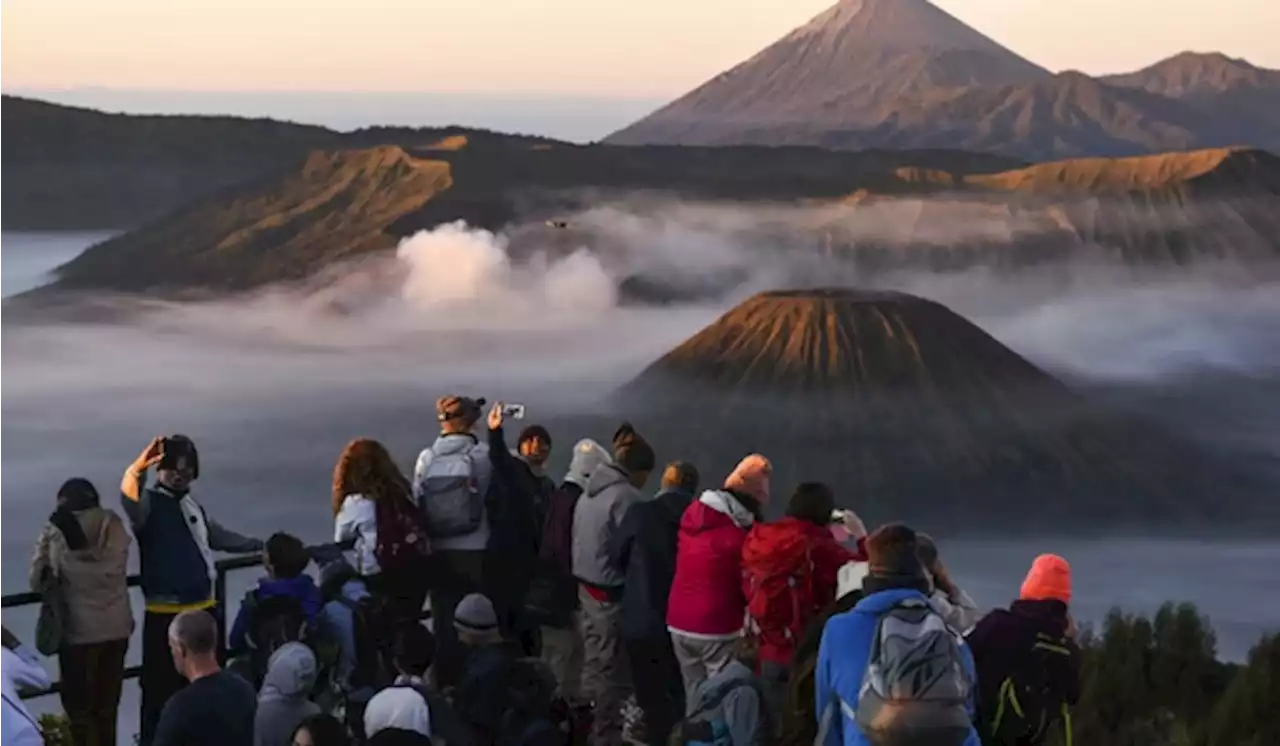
{"x":223,"y":566}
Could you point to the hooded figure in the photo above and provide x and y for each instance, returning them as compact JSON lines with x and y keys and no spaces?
{"x":706,"y":607}
{"x":553,"y":596}
{"x":611,"y":491}
{"x":1033,"y":640}
{"x":283,"y":701}
{"x":844,"y":654}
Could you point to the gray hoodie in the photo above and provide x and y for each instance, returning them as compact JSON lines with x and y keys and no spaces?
{"x":595,"y":520}
{"x":282,"y":702}
{"x":732,"y":696}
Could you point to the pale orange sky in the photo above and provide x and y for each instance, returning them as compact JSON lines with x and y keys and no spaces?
{"x":621,"y":48}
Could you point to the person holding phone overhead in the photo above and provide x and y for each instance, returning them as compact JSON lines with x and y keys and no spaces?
{"x":176,"y":541}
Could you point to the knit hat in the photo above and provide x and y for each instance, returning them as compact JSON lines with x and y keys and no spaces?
{"x":475,"y":613}
{"x":892,"y":552}
{"x":751,"y":476}
{"x":1049,"y":578}
{"x":458,"y":408}
{"x":588,"y":456}
{"x":78,"y":494}
{"x":535,"y":431}
{"x":632,"y":452}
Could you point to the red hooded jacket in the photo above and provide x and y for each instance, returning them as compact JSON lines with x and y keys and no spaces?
{"x":762,"y":550}
{"x":706,"y":596}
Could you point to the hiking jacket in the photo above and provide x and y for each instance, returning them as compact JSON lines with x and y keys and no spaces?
{"x":93,"y":580}
{"x":553,"y":591}
{"x":596,"y":518}
{"x":842,"y":662}
{"x":20,"y":669}
{"x":176,"y":542}
{"x":826,"y":556}
{"x":357,"y":521}
{"x":645,"y":545}
{"x":741,"y":709}
{"x":449,"y":444}
{"x":1002,"y":644}
{"x":283,"y":701}
{"x":516,"y":498}
{"x":706,"y":598}
{"x":302,"y":588}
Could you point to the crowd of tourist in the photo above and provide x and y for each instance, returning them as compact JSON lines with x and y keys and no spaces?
{"x":480,"y":601}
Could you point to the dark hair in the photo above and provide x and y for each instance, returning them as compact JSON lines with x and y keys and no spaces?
{"x":812,"y":502}
{"x":681,"y":475}
{"x":325,"y":730}
{"x":926,"y":550}
{"x":78,"y":493}
{"x":415,"y":649}
{"x":287,"y":555}
{"x":176,"y":447}
{"x":399,"y":737}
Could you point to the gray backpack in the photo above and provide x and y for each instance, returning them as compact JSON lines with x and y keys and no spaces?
{"x":449,"y":495}
{"x":915,"y":691}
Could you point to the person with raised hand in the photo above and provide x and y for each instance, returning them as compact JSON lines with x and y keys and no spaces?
{"x":176,"y":542}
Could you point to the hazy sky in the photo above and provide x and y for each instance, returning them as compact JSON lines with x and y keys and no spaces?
{"x":606,"y":48}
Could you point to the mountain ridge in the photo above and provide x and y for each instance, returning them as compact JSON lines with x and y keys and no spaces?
{"x":905,"y":74}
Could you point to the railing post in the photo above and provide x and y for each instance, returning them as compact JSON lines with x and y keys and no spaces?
{"x":220,"y":611}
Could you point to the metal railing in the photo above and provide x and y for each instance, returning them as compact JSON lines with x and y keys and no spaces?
{"x":223,"y":566}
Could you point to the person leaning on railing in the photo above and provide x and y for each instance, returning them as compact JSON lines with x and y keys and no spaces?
{"x":176,"y":541}
{"x":81,"y":565}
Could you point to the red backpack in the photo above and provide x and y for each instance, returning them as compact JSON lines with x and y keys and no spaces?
{"x":402,"y":539}
{"x":777,"y":568}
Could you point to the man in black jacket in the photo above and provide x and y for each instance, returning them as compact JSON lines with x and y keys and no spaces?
{"x":518,"y":495}
{"x":645,"y":545}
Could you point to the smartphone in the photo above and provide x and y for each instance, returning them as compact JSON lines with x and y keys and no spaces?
{"x":513,"y":411}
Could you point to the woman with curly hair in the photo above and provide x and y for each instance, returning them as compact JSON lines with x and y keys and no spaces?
{"x":374,"y":512}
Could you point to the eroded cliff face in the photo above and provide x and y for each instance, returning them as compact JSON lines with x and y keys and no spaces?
{"x":911,"y":411}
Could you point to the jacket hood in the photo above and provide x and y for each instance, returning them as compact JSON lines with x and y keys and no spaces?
{"x":302,"y":588}
{"x":732,"y":671}
{"x":93,"y":521}
{"x":588,"y":457}
{"x":879,"y":602}
{"x":447,"y":445}
{"x":610,"y":475}
{"x":291,"y":673}
{"x":671,"y":504}
{"x":726,"y":503}
{"x":1049,"y":615}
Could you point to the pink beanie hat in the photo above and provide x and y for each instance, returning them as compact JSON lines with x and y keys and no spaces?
{"x":752,"y":477}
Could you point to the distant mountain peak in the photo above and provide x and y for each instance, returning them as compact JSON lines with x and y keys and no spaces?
{"x":908,"y":25}
{"x":839,"y":69}
{"x":1196,"y":74}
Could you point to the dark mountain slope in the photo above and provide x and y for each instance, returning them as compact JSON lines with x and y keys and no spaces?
{"x":914,"y":413}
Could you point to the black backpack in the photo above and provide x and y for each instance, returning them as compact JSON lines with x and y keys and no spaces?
{"x":273,"y":622}
{"x":1026,"y":704}
{"x":375,"y":625}
{"x":509,"y":700}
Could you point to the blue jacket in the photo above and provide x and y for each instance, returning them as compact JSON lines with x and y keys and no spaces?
{"x":842,"y":662}
{"x":302,"y":588}
{"x":339,"y":621}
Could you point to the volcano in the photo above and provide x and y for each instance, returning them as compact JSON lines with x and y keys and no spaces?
{"x":910,"y":411}
{"x":838,"y":70}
